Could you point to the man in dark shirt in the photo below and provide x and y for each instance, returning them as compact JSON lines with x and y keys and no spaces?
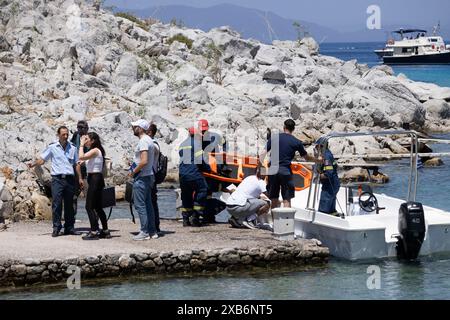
{"x":283,"y":147}
{"x":82,"y":129}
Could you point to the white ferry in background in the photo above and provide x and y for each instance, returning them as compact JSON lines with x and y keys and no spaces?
{"x":415,"y":47}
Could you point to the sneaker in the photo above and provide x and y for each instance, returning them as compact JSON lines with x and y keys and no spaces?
{"x":104,"y":234}
{"x":250,"y":224}
{"x":141,"y":236}
{"x":154,"y":236}
{"x":234,"y":223}
{"x":91,"y":236}
{"x":56,"y":233}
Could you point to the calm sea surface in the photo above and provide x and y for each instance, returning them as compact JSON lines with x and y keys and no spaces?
{"x":363,"y":52}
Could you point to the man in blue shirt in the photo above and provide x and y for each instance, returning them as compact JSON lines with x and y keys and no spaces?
{"x":283,"y":147}
{"x":64,"y":157}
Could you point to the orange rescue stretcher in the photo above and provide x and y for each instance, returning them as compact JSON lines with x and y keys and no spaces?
{"x":241,"y":167}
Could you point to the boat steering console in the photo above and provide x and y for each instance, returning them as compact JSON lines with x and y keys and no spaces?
{"x":369,"y":203}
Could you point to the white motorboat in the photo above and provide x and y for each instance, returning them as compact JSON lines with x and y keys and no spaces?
{"x":416,"y":49}
{"x":373,"y":225}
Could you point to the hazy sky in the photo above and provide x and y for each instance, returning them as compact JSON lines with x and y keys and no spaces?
{"x":344,"y":15}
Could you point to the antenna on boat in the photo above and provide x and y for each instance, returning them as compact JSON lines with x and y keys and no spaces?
{"x":437,"y":29}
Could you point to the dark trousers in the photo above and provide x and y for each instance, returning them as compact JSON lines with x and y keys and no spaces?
{"x":155,"y":207}
{"x":193,"y":196}
{"x":94,"y":209}
{"x":63,"y":191}
{"x":328,"y":195}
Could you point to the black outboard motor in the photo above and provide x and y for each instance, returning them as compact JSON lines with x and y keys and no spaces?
{"x":411,"y":225}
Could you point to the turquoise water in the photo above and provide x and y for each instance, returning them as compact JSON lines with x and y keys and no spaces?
{"x":434,"y":183}
{"x":427,"y":279}
{"x":363,"y":52}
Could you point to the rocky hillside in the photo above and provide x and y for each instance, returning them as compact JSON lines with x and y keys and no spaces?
{"x":61,"y":61}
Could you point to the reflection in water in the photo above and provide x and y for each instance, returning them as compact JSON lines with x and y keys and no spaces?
{"x":427,"y":279}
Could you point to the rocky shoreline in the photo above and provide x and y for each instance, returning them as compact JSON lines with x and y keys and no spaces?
{"x":63,"y":60}
{"x":162,"y":256}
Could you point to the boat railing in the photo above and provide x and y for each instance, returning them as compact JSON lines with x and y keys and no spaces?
{"x":413,"y":155}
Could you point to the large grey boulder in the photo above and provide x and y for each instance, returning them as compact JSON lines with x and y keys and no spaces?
{"x":438,"y":109}
{"x":274,"y":74}
{"x":426,"y":91}
{"x":126,"y":72}
{"x":85,"y":55}
{"x":311,"y":45}
{"x":269,"y":55}
{"x":231,"y":45}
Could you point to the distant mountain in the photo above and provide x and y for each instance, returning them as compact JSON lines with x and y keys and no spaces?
{"x":258,"y":24}
{"x":250,"y":23}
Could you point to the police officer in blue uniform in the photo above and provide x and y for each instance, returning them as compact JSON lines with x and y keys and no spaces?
{"x":193,"y":186}
{"x":329,"y":179}
{"x":64,"y":157}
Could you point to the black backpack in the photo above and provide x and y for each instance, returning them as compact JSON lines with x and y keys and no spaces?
{"x":161,"y":169}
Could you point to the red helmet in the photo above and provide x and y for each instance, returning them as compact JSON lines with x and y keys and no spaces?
{"x":203,"y":125}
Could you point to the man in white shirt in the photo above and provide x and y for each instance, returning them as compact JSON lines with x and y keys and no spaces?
{"x":144,"y":181}
{"x":248,"y":201}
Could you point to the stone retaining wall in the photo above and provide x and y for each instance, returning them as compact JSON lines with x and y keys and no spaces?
{"x":30,"y":271}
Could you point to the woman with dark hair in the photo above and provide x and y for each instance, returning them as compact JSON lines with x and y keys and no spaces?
{"x":95,"y":160}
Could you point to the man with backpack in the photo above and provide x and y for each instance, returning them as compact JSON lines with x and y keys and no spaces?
{"x":159,"y":170}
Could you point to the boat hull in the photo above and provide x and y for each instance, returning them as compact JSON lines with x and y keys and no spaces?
{"x":369,"y":236}
{"x":384,"y":53}
{"x":438,"y":58}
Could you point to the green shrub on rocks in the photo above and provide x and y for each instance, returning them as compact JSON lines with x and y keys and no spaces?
{"x":143,"y":71}
{"x":132,"y":18}
{"x":182,"y":39}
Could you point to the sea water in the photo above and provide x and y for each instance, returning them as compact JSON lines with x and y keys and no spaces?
{"x":364,"y":53}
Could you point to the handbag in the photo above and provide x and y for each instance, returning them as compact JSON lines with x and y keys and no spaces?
{"x":109,"y":198}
